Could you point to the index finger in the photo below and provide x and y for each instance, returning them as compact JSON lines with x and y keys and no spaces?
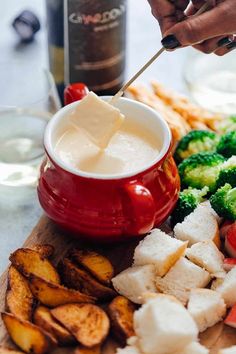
{"x":168,"y":12}
{"x":197,"y":4}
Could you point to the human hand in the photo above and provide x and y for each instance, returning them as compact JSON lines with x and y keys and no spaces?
{"x":209,"y":32}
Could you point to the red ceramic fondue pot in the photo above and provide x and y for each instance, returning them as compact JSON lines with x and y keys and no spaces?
{"x":109,"y":207}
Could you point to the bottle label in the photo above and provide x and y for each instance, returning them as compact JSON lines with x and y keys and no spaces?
{"x":95,"y":42}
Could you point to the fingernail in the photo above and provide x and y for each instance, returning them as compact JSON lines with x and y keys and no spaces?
{"x":170,"y":42}
{"x":224,"y":41}
{"x":231,"y":46}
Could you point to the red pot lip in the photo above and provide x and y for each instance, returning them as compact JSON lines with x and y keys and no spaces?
{"x":165,"y":150}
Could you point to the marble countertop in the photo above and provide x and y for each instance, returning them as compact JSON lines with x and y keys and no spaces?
{"x":19,"y":208}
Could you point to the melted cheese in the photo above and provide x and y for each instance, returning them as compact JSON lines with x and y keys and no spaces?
{"x":130,"y":149}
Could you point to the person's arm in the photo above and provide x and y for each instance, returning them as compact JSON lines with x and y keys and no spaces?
{"x":210,"y":32}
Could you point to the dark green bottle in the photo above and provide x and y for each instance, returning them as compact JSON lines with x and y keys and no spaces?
{"x":95,"y":43}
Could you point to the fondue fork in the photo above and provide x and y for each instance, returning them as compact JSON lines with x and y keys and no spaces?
{"x":120,"y":93}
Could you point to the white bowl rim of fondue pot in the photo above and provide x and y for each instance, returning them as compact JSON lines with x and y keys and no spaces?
{"x":139,"y":111}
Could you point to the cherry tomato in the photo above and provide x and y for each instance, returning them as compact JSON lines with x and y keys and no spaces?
{"x":75,"y":92}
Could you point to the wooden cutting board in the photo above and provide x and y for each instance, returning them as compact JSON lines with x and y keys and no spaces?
{"x":45,"y":231}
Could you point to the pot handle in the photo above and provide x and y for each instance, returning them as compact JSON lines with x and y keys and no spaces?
{"x":143,"y":208}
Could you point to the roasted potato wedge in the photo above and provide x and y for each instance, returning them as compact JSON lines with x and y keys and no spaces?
{"x":77,"y":278}
{"x":45,"y":250}
{"x":44,"y":319}
{"x":9,"y":351}
{"x":85,"y":350}
{"x":88,"y":323}
{"x":19,"y":299}
{"x":53,"y":295}
{"x":121,"y":311}
{"x":27,"y":336}
{"x":28,"y":261}
{"x":96,"y":264}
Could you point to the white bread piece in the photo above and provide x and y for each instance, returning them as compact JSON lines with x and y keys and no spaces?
{"x":129,"y":349}
{"x":198,"y":226}
{"x":227,"y":288}
{"x":230,"y":350}
{"x":207,"y":255}
{"x":194,"y":348}
{"x":163,"y":326}
{"x":206,"y":307}
{"x":181,"y":278}
{"x":99,"y":119}
{"x":135,"y":281}
{"x":209,"y":208}
{"x":148,"y":296}
{"x":159,"y":249}
{"x":132,"y":341}
{"x":217,"y":282}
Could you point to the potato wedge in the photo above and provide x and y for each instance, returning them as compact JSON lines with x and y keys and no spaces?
{"x":28,"y":261}
{"x":85,"y":350}
{"x":44,"y":319}
{"x":77,"y":278}
{"x":53,"y":295}
{"x":96,"y":264}
{"x":45,"y":250}
{"x":9,"y":351}
{"x":88,"y":323}
{"x":27,"y":336}
{"x":121,"y":311}
{"x":19,"y":299}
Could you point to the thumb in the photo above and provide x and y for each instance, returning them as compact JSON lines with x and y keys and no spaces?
{"x":216,"y":22}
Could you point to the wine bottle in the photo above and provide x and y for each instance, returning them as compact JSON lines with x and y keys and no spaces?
{"x":55,"y":25}
{"x":95,"y":43}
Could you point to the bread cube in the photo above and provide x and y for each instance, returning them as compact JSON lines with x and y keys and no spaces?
{"x":163,"y":325}
{"x":135,"y":281}
{"x":97,"y":118}
{"x":207,"y":255}
{"x":209,"y":208}
{"x":129,"y":349}
{"x":198,"y":226}
{"x":231,"y":350}
{"x":159,"y":249}
{"x":194,"y":348}
{"x":181,"y":278}
{"x":227,"y":288}
{"x":207,"y":308}
{"x":133,"y":341}
{"x":217,"y":282}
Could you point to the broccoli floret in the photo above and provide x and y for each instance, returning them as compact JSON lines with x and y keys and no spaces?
{"x":187,"y":202}
{"x":227,"y":144}
{"x":201,"y":170}
{"x":227,"y":173}
{"x":227,"y":125}
{"x":227,"y":176}
{"x":224,"y":202}
{"x":194,"y":142}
